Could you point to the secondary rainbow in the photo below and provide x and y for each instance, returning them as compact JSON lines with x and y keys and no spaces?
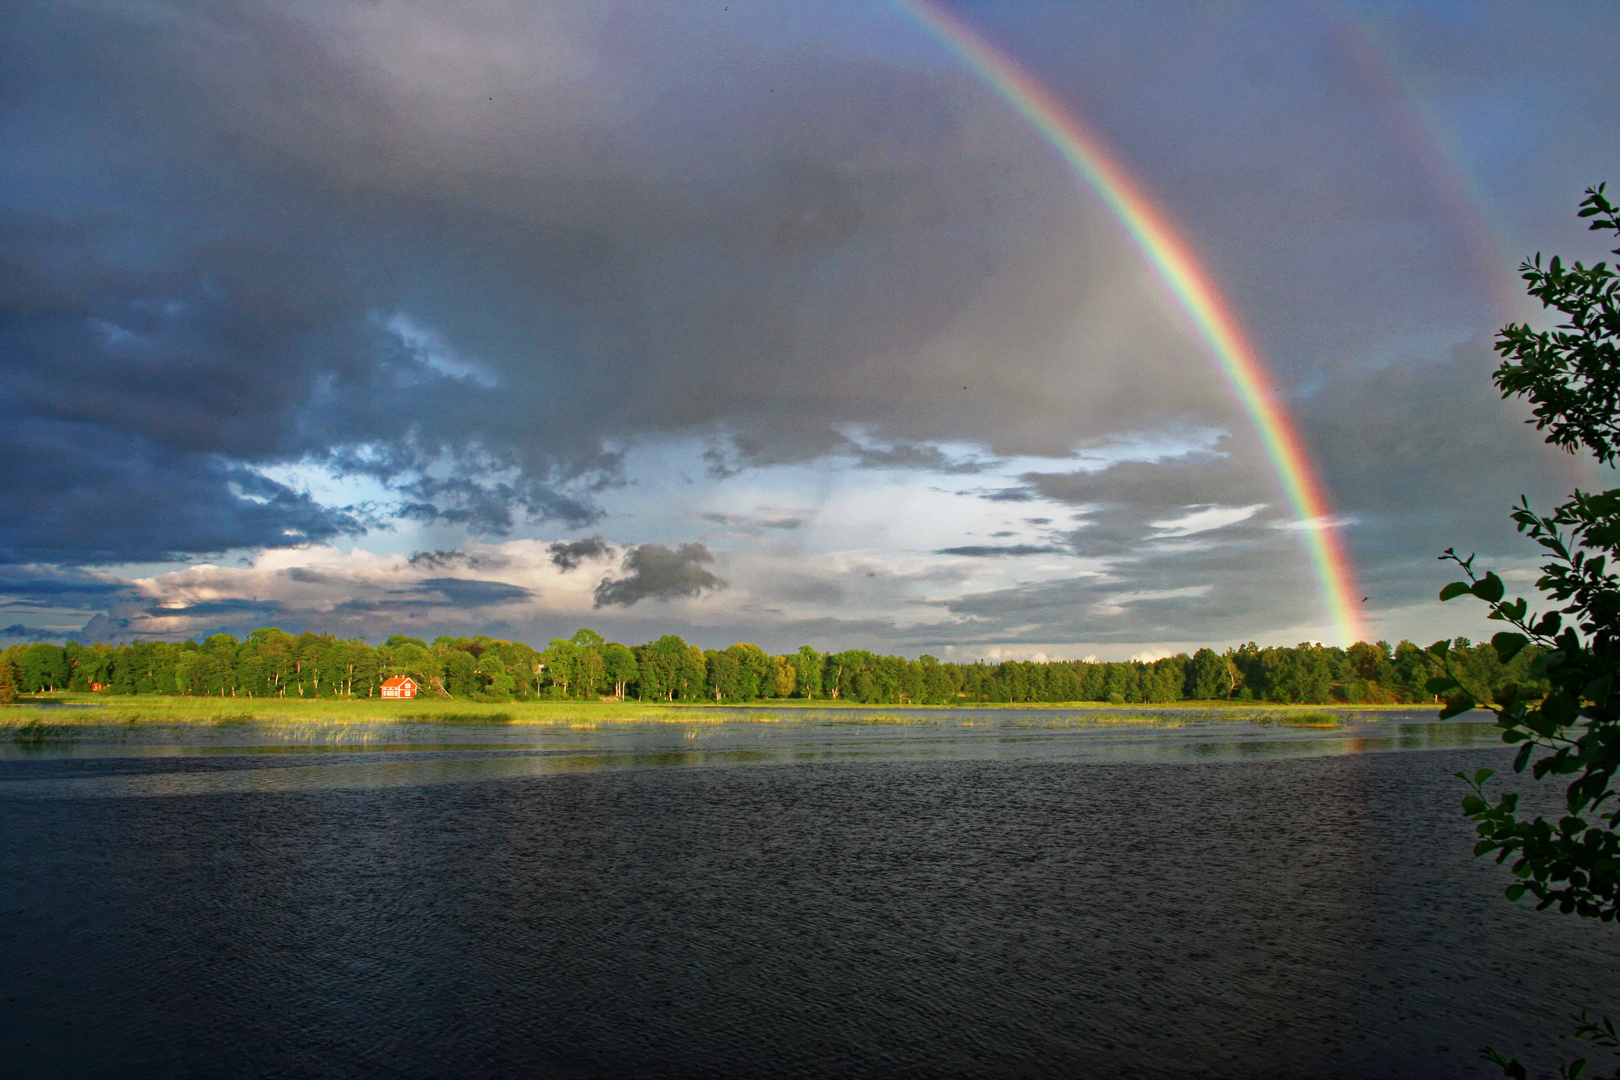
{"x":1194,"y":291}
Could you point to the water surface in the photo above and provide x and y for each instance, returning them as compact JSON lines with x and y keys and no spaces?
{"x":991,"y":893}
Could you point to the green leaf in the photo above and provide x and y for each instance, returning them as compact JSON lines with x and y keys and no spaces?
{"x":1522,"y":756}
{"x":1483,"y":775}
{"x":1456,"y":589}
{"x":1508,"y":644}
{"x":1440,"y":684}
{"x":1456,"y":706}
{"x":1517,"y":890}
{"x":1489,"y":588}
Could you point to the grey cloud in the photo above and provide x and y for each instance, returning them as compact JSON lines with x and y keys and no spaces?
{"x":656,"y":572}
{"x":913,"y":456}
{"x":1163,"y":485}
{"x":876,"y":245}
{"x":1220,"y":593}
{"x":103,"y":627}
{"x":75,"y":493}
{"x":1418,"y":477}
{"x":569,"y":554}
{"x":718,"y":465}
{"x":30,"y":633}
{"x":467,"y":594}
{"x":234,"y":606}
{"x":805,"y":589}
{"x":982,"y":551}
{"x":471,"y":592}
{"x":434,"y":559}
{"x":59,"y":589}
{"x":601,"y":308}
{"x":747,"y":522}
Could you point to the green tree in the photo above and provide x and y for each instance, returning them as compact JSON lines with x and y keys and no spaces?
{"x":621,"y":667}
{"x":588,"y":639}
{"x":1570,"y":728}
{"x":461,"y":673}
{"x":561,"y":660}
{"x":592,"y":671}
{"x":807,"y":667}
{"x":937,"y":687}
{"x":755,"y":670}
{"x":1208,"y":676}
{"x":724,"y":674}
{"x":784,"y":676}
{"x":669,"y":668}
{"x":8,"y":682}
{"x":45,"y":668}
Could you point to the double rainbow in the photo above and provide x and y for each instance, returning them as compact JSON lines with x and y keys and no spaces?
{"x":1194,"y":292}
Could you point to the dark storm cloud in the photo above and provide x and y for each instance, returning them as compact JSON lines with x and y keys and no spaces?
{"x":569,"y":554}
{"x":1427,"y":456}
{"x":346,"y":259}
{"x":77,"y":492}
{"x":57,"y":590}
{"x":653,"y":571}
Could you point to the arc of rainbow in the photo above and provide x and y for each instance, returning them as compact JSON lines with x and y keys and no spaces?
{"x":1194,"y":291}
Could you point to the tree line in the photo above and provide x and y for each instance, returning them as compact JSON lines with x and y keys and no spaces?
{"x":271,"y":663}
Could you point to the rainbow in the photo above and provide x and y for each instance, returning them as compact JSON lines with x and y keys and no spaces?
{"x":1194,"y":291}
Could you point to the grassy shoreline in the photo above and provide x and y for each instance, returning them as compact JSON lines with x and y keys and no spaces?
{"x":102,"y":709}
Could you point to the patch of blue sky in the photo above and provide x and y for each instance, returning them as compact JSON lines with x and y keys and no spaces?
{"x":432,"y":349}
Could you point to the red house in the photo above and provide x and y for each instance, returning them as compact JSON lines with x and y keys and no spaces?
{"x":399,"y":686}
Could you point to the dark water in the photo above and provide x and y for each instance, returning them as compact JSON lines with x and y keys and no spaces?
{"x":802,"y":899}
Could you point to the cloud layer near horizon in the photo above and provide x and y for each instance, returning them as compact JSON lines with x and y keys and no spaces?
{"x":730,"y":292}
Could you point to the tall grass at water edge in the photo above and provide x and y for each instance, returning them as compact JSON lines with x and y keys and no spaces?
{"x":100,"y":717}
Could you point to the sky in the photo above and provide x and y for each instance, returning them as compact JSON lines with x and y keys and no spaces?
{"x":769,"y":322}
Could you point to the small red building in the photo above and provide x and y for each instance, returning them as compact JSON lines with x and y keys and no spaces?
{"x":399,"y":686}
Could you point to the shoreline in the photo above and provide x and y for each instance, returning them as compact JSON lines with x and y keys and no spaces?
{"x":101,"y":710}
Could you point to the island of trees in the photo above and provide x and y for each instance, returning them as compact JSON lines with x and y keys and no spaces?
{"x":273,"y":663}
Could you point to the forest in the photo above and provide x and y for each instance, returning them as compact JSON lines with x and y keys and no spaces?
{"x":274,"y":663}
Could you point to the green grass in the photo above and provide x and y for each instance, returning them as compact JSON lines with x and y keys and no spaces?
{"x":108,"y":709}
{"x":1302,"y":719}
{"x":152,"y":709}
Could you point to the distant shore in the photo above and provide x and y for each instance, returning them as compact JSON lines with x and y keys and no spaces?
{"x":77,"y":709}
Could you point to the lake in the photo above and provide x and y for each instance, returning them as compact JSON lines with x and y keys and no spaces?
{"x":891,"y":893}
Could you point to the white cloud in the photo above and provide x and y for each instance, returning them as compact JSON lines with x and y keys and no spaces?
{"x":1203,"y":519}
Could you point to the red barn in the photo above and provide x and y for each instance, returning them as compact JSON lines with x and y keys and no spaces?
{"x":399,"y":686}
